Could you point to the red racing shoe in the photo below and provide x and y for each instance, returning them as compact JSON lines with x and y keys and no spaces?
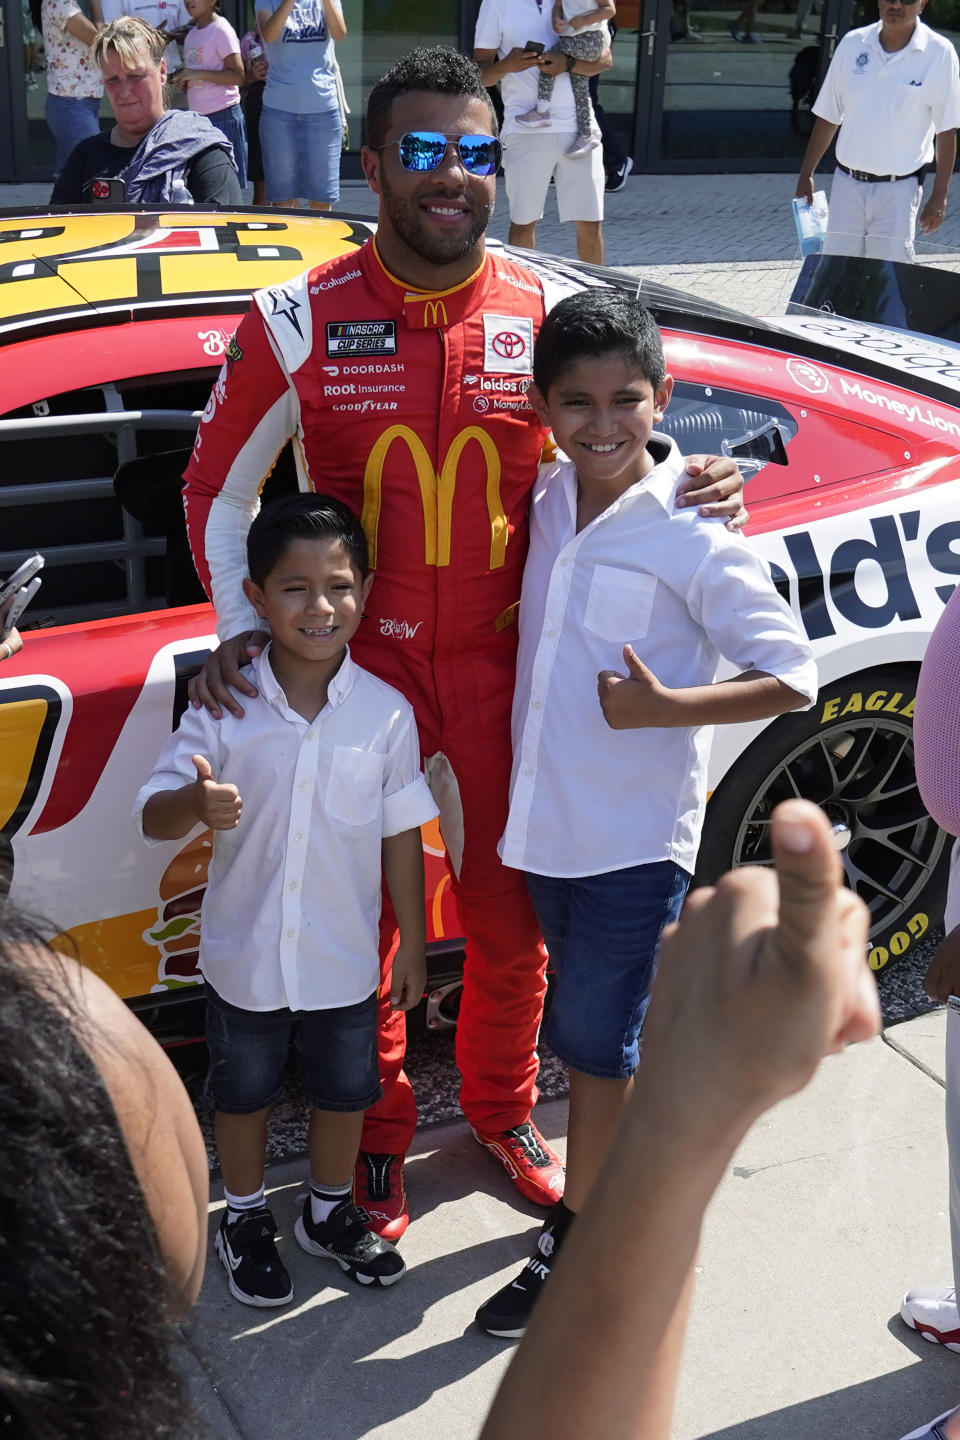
{"x":378,"y":1188}
{"x":535,"y":1169}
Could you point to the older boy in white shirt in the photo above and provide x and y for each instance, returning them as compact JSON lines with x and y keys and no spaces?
{"x":307,"y":794}
{"x":608,"y":791}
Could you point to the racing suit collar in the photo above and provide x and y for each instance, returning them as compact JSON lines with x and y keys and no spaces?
{"x":430,"y":309}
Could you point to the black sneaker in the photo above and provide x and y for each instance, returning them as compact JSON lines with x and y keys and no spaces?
{"x":255,"y":1273}
{"x":508,"y":1313}
{"x":344,"y":1237}
{"x":617,"y":178}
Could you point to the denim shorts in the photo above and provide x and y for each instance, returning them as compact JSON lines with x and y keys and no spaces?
{"x":336,"y":1053}
{"x":71,"y":118}
{"x":230,"y":122}
{"x":301,"y":155}
{"x":602,"y":933}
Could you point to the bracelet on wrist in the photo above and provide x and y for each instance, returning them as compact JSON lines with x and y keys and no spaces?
{"x":571,"y":61}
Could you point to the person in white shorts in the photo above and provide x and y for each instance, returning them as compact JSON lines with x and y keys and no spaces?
{"x":532,"y":158}
{"x":893,"y":92}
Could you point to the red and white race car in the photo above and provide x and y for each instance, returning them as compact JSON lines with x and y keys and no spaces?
{"x":112,"y":329}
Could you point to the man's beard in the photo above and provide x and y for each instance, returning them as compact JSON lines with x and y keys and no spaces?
{"x":413,"y":228}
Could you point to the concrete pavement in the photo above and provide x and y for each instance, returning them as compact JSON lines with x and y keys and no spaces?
{"x":834,"y":1205}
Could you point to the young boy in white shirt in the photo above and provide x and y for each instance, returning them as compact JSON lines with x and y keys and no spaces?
{"x":608,"y":790}
{"x":307,"y":795}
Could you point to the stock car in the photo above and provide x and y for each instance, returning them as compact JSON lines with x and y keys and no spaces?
{"x":113,"y":325}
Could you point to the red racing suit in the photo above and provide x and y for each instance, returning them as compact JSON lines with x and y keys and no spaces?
{"x":412,"y":409}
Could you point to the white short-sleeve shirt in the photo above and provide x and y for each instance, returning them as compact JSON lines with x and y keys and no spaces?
{"x":170,"y":14}
{"x":290,"y":917}
{"x":684,"y":592}
{"x":504,"y":25}
{"x":889,"y":106}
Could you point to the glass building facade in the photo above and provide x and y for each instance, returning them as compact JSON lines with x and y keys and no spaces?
{"x":688,"y":92}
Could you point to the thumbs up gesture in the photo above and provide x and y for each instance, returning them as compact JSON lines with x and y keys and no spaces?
{"x":633,"y":700}
{"x":217,"y":805}
{"x":761,"y":978}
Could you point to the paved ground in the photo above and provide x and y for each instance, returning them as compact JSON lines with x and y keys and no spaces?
{"x":833,"y":1206}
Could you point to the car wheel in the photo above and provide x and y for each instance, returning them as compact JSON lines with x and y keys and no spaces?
{"x":852,"y":754}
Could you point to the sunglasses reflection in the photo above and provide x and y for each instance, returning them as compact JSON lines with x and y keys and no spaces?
{"x":422,"y":150}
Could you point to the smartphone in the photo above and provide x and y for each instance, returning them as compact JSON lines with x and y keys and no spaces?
{"x":21,"y":599}
{"x":106,"y":190}
{"x":20,"y":577}
{"x":535,"y":47}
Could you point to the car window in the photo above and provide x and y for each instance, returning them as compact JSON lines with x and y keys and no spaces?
{"x":708,"y":421}
{"x":91,"y":478}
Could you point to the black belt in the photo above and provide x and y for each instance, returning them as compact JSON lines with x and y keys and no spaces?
{"x":867,"y":179}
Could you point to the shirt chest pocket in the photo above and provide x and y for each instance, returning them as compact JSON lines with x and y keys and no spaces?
{"x":619,"y":604}
{"x":355,"y":786}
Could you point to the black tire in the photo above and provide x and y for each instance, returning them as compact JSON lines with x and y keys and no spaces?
{"x":852,"y":754}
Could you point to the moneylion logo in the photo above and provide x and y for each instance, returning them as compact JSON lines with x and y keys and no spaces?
{"x":436,"y":492}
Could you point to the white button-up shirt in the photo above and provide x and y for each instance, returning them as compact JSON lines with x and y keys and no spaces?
{"x":889,"y":106}
{"x":683,"y":591}
{"x":292,"y":906}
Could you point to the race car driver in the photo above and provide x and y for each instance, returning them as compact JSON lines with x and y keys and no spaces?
{"x":401,"y":371}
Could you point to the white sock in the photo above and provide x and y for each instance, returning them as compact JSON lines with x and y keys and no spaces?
{"x":238,"y":1205}
{"x":325,"y":1198}
{"x":543,"y":107}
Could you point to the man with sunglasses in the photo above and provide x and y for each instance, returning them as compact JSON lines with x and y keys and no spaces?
{"x":893,"y":92}
{"x":401,"y":370}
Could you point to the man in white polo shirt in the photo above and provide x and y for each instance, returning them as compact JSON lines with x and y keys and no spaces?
{"x":532,"y":157}
{"x":893,"y":91}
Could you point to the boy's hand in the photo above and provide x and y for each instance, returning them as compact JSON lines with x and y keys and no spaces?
{"x":634,"y":700}
{"x":218,"y":806}
{"x":715,"y":485}
{"x":408,"y":977}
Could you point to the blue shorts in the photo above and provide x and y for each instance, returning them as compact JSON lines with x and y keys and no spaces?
{"x":336,"y":1053}
{"x":230,"y":122}
{"x":602,"y":933}
{"x":301,"y":155}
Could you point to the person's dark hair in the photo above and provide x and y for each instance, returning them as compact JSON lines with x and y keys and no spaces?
{"x":438,"y":71}
{"x":597,"y":322}
{"x":85,"y":1345}
{"x":302,"y":517}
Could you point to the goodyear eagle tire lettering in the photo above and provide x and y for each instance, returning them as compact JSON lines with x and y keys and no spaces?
{"x":852,"y":754}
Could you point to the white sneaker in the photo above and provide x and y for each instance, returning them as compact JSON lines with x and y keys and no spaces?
{"x":584,"y":144}
{"x":933,"y":1431}
{"x":534,"y":119}
{"x":931,"y":1310}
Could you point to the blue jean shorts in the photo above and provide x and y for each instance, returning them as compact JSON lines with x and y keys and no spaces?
{"x":336,"y":1053}
{"x":301,"y":155}
{"x":71,"y":119}
{"x":230,"y":122}
{"x":602,"y":933}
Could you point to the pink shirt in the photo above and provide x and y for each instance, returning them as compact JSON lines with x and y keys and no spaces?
{"x":206,"y":49}
{"x":936,"y":723}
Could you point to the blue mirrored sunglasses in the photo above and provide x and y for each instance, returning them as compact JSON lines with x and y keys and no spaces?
{"x":423,"y":150}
